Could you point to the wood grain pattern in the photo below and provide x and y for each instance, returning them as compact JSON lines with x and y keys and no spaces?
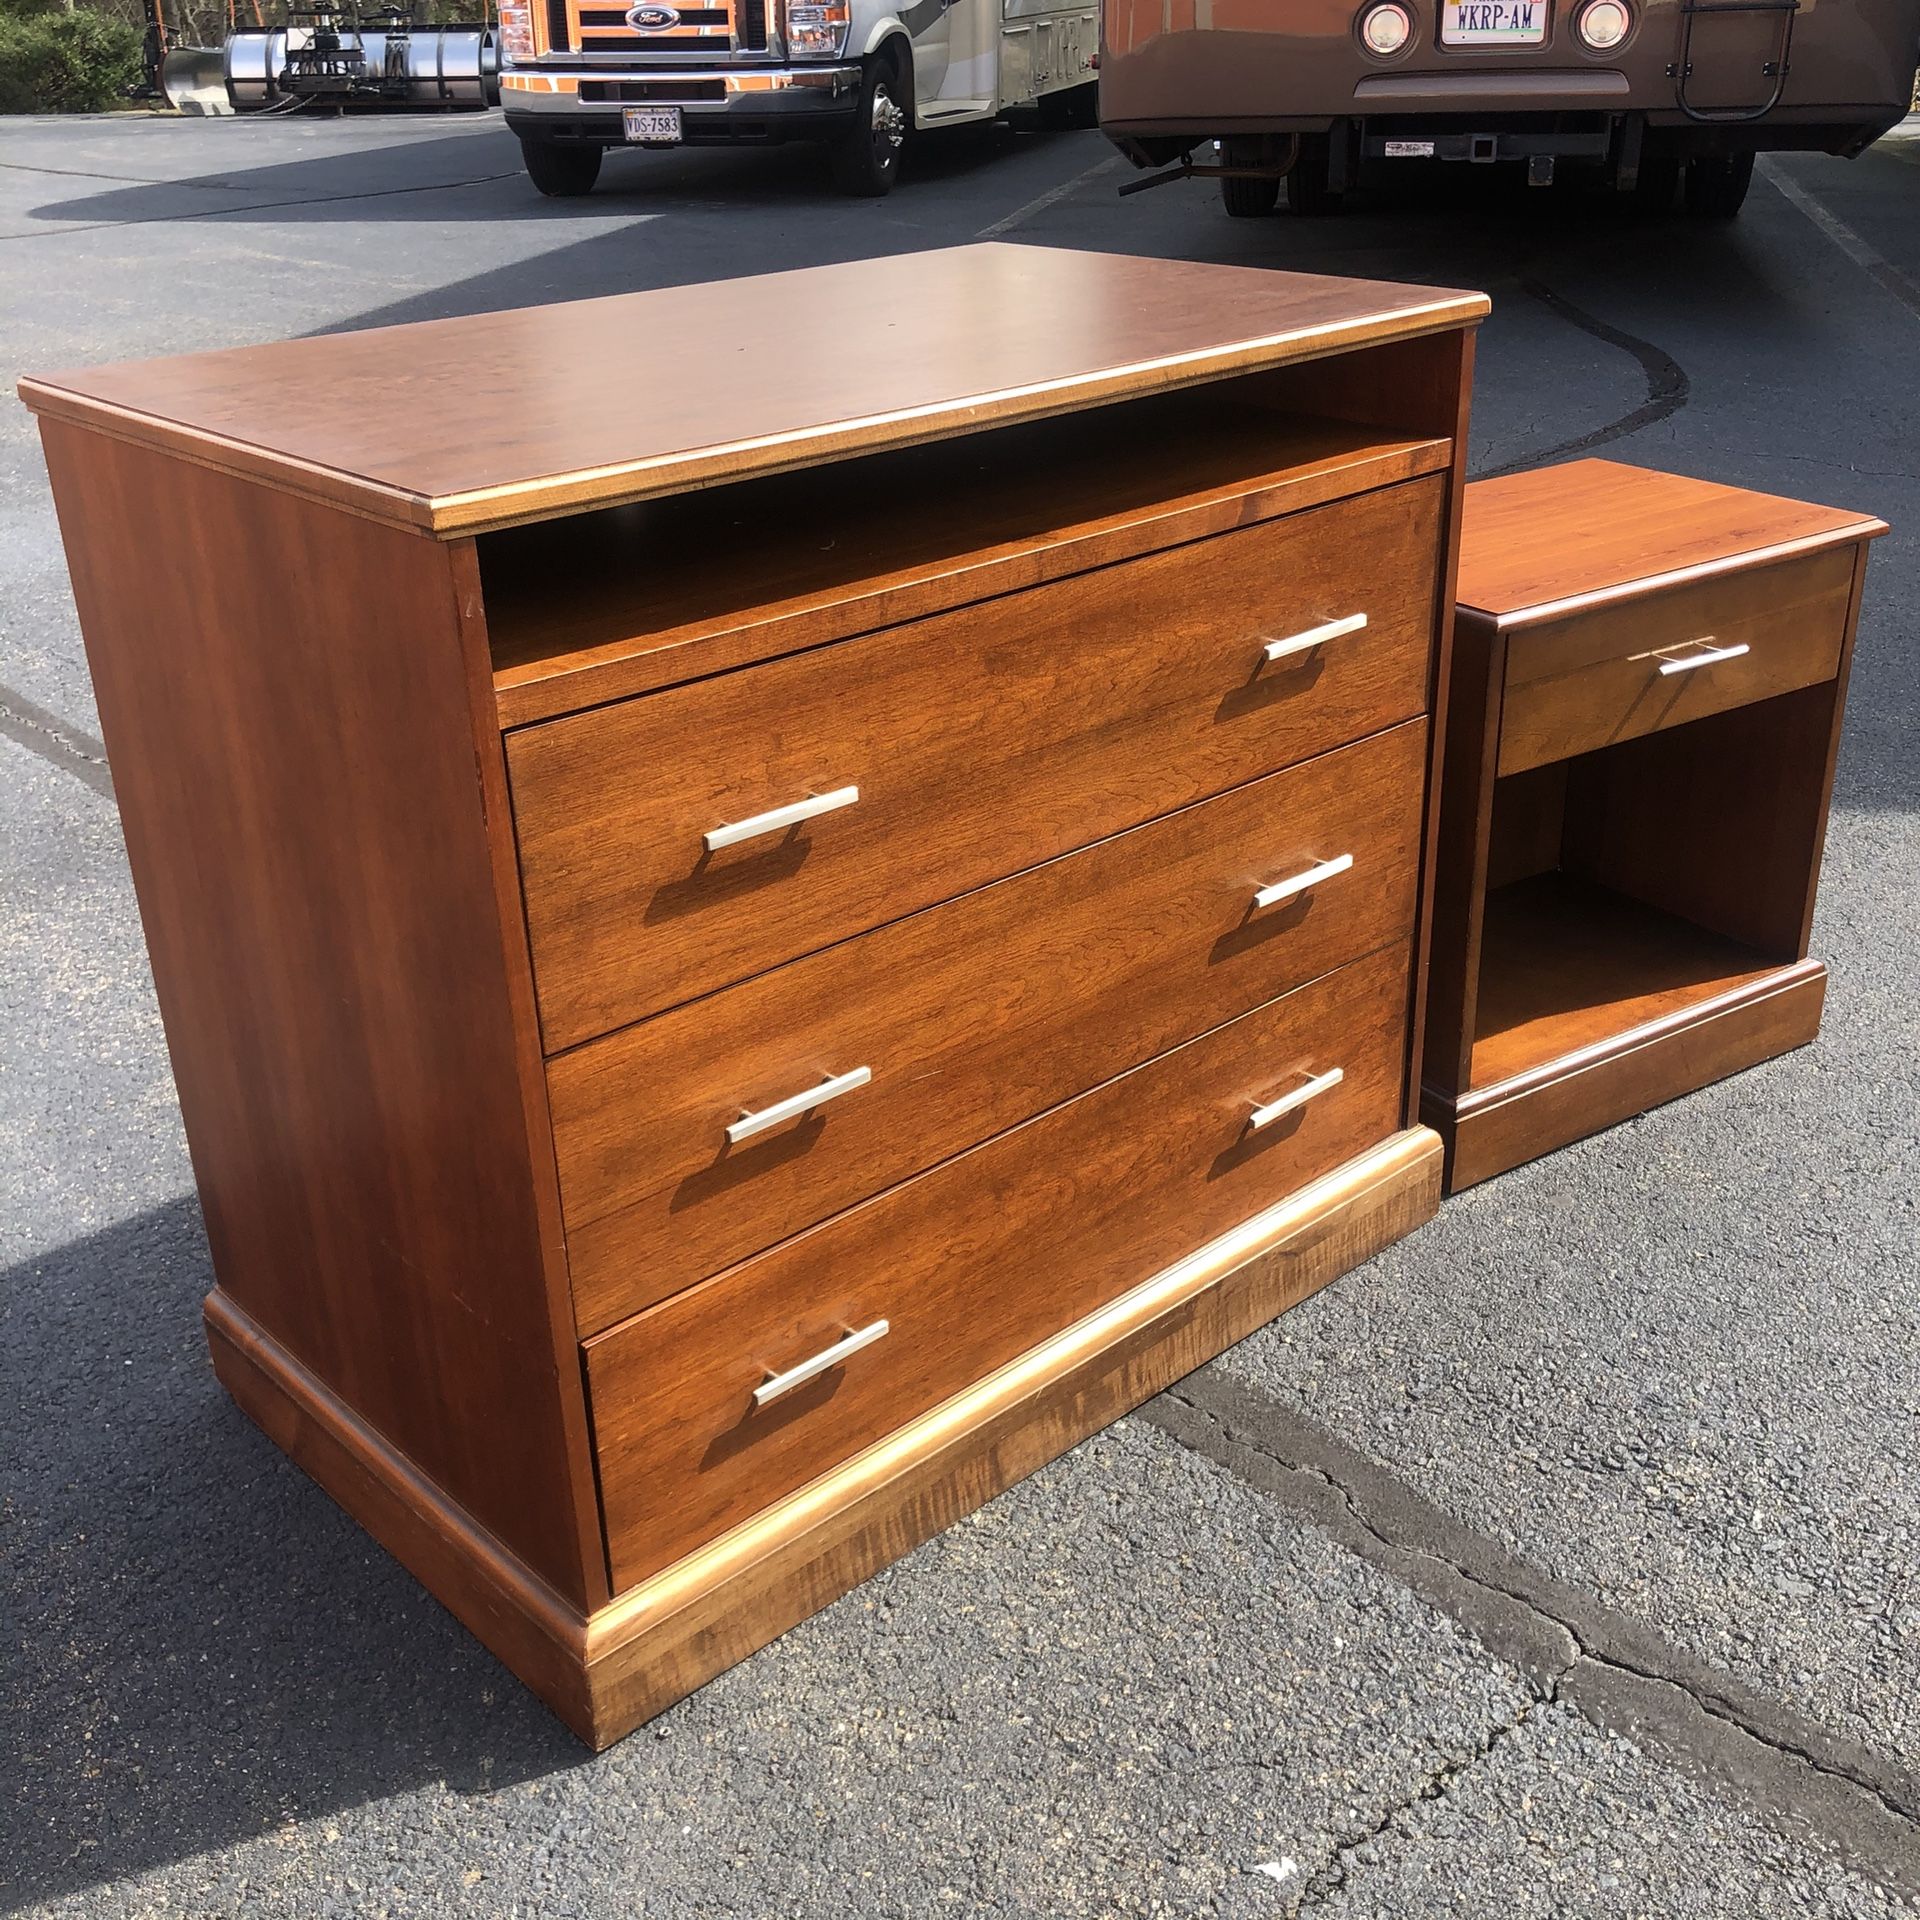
{"x":666,"y":1637}
{"x":502,"y":1602}
{"x":1564,"y":963}
{"x":973,"y":1016}
{"x":975,"y":1262}
{"x":603,"y":606}
{"x":1539,"y":543}
{"x":459,"y":425}
{"x":982,"y":742}
{"x":1751,"y":787}
{"x":312,"y":863}
{"x":1628,"y":1071}
{"x":1461,"y":798}
{"x":1592,"y":679}
{"x":607,"y":1672}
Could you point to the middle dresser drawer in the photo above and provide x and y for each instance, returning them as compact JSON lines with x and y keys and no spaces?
{"x":970,"y":1017}
{"x":979,"y":743}
{"x":711,"y":1406}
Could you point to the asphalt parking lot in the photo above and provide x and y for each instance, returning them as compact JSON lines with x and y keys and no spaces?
{"x":1565,"y":1561}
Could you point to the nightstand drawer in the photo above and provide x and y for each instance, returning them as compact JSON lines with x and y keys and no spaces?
{"x":928,"y":1036}
{"x":1634,"y":666}
{"x":678,"y":842}
{"x":884,"y":1312}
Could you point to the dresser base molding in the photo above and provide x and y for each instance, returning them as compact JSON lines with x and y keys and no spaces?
{"x":606,"y":1673}
{"x":1493,"y":1129}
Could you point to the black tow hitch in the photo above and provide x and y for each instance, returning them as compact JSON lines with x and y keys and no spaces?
{"x":1186,"y":170}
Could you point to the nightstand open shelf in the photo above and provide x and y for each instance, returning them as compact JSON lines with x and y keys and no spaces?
{"x":1566,"y":964}
{"x":1640,"y":755}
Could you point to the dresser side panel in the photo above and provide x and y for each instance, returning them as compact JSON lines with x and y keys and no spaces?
{"x":284,"y":695}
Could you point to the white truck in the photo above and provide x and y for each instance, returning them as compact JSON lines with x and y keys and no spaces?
{"x":580,"y":76}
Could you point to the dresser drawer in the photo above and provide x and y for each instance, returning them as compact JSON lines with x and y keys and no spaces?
{"x":975,"y":1262}
{"x":969,"y":1017}
{"x":979,"y":743}
{"x":1635,"y":666}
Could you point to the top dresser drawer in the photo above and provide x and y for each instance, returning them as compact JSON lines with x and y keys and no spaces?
{"x":979,"y":742}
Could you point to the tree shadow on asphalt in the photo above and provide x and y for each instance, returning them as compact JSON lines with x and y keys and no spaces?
{"x":421,"y":180}
{"x":203,"y":1647}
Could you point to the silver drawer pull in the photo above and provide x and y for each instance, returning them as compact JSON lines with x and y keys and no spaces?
{"x":780,"y":818}
{"x":1688,"y":661}
{"x":1300,"y":882}
{"x":1314,"y":637}
{"x":796,"y":1104}
{"x":776,"y":1384}
{"x":1298,"y":1097}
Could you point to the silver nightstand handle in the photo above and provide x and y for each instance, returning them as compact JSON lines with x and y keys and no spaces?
{"x":1296,"y":1098}
{"x":795,"y":1104}
{"x":776,"y":1384}
{"x":1688,"y":661}
{"x":780,"y":818}
{"x":1300,"y":882}
{"x":1314,"y":637}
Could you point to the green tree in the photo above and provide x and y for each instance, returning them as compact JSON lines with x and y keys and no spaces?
{"x":59,"y":59}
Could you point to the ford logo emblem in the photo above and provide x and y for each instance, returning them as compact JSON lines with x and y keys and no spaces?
{"x":652,"y":19}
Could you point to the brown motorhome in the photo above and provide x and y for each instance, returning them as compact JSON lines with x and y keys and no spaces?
{"x":1649,"y":92}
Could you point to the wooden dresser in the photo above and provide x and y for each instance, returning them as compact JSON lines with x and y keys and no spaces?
{"x":772,"y":901}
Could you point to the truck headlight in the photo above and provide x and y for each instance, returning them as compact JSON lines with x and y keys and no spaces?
{"x":1384,"y":30}
{"x":1603,"y":24}
{"x":817,"y":31}
{"x":516,"y":30}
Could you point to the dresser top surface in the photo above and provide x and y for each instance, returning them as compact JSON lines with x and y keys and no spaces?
{"x":1539,"y":544}
{"x":457,"y":426}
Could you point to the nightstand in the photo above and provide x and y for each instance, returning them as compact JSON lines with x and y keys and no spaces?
{"x":1648,"y":680}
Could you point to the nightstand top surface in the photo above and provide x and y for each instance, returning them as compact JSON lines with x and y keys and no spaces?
{"x":1538,"y":544}
{"x":456,"y":426}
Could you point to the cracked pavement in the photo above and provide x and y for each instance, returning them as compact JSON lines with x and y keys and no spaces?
{"x":1565,"y":1561}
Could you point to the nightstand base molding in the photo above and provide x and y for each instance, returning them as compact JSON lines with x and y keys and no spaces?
{"x":609,"y":1672}
{"x":1494,"y":1128}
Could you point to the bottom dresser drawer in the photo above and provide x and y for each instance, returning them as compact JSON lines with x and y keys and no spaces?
{"x":706,"y":1408}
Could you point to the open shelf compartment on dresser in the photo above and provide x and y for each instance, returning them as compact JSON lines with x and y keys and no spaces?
{"x":600,"y":605}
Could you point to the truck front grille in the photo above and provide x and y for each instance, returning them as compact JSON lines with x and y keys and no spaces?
{"x":689,"y":16}
{"x":636,"y":90}
{"x":702,"y":33}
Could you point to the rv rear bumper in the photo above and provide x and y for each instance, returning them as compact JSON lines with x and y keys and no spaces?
{"x":583,"y":105}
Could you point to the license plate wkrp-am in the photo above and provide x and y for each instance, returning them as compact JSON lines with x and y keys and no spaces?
{"x":654,"y":123}
{"x":1493,"y":23}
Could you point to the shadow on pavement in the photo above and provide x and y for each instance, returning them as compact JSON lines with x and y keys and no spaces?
{"x":202,"y":1647}
{"x":415,"y":180}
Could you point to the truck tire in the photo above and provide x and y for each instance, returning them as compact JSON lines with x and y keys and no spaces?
{"x":561,"y":173}
{"x":866,"y":157}
{"x":1717,"y":185}
{"x":1309,"y":193}
{"x":1249,"y":199}
{"x":1656,"y":185}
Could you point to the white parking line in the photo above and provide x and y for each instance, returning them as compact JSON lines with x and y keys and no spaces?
{"x":1903,"y":289}
{"x":1052,"y":197}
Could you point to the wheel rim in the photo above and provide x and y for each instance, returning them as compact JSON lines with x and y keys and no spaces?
{"x":888,"y":127}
